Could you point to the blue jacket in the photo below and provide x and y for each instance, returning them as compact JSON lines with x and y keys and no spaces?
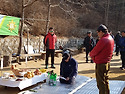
{"x":122,"y":44}
{"x":69,"y":69}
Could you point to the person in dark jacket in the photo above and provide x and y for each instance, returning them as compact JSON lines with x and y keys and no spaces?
{"x":49,"y":41}
{"x":68,"y":69}
{"x":117,"y":37}
{"x":97,"y":40}
{"x":122,"y":49}
{"x":88,"y":44}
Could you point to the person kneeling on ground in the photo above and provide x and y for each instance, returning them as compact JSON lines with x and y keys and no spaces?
{"x":68,"y":69}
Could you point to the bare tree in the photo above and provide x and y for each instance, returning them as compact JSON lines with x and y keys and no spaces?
{"x":48,"y":16}
{"x":22,"y":22}
{"x":107,"y":11}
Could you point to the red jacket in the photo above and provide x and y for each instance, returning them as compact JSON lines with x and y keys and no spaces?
{"x":102,"y":52}
{"x":50,"y":41}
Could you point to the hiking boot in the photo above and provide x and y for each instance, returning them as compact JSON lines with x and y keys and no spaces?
{"x":116,"y":54}
{"x":53,"y":67}
{"x":19,"y":63}
{"x":122,"y":68}
{"x":92,"y":61}
{"x":46,"y":67}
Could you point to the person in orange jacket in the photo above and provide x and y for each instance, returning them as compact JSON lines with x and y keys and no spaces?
{"x":49,"y":42}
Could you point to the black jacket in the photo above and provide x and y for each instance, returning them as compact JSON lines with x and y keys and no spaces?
{"x":117,"y":38}
{"x":89,"y":43}
{"x":69,"y":69}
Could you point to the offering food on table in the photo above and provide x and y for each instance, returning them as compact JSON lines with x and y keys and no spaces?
{"x":29,"y":74}
{"x":43,"y":70}
{"x":17,"y":71}
{"x":19,"y":79}
{"x":6,"y":75}
{"x":11,"y":75}
{"x":37,"y":72}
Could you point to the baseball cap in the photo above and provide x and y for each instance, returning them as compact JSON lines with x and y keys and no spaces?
{"x":118,"y":32}
{"x":123,"y":31}
{"x":102,"y":27}
{"x":89,"y":32}
{"x":66,"y":55}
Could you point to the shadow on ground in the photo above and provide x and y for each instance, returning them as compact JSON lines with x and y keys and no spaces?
{"x":121,"y":78}
{"x":115,"y":60}
{"x":115,"y":64}
{"x":117,"y":71}
{"x":86,"y":71}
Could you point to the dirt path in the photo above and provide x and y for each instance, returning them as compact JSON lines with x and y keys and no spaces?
{"x":85,"y":69}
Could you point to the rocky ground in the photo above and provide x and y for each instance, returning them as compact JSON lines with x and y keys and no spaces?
{"x":85,"y":69}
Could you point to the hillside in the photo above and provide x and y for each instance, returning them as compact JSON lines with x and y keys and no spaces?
{"x":68,"y":17}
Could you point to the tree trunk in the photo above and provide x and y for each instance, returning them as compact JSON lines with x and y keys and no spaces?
{"x":106,"y":12}
{"x":21,"y":30}
{"x":48,"y":16}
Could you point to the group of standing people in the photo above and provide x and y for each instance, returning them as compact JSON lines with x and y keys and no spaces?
{"x":100,"y":52}
{"x":120,"y":46}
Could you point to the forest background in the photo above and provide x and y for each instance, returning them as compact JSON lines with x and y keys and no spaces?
{"x":68,"y":17}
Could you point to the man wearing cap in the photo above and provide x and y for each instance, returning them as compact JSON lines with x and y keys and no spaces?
{"x":122,"y":49}
{"x":68,"y":69}
{"x":101,"y":55}
{"x":88,"y":44}
{"x":49,"y":41}
{"x":117,"y":37}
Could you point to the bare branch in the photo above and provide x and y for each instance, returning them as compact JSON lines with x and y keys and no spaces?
{"x":56,"y":5}
{"x":64,"y":9}
{"x":28,"y":4}
{"x":27,"y":22}
{"x":78,"y":3}
{"x":35,"y":19}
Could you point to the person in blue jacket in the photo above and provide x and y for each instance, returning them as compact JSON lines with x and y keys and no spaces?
{"x":68,"y":69}
{"x":122,"y":49}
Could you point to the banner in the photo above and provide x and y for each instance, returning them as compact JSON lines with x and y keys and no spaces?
{"x":9,"y":25}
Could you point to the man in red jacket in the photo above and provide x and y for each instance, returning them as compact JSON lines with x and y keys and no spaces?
{"x":49,"y":41}
{"x":101,"y":55}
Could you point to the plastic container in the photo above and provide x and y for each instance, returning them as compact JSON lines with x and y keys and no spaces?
{"x":6,"y":74}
